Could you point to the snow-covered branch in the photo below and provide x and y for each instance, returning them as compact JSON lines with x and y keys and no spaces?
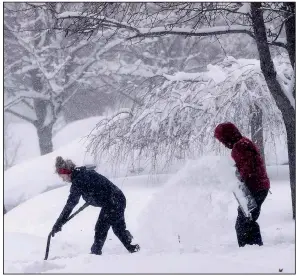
{"x":24,"y":95}
{"x":93,"y":57}
{"x":100,"y":21}
{"x":178,"y":112}
{"x":160,"y":31}
{"x":21,"y":116}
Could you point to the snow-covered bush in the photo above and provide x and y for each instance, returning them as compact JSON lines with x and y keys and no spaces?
{"x":178,"y":113}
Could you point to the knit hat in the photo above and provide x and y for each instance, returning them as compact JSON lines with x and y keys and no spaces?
{"x":64,"y":166}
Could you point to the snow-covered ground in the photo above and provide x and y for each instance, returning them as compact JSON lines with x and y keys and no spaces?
{"x":183,"y":219}
{"x":184,"y":223}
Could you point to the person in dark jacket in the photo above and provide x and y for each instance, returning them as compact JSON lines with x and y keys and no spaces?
{"x":97,"y":191}
{"x":250,"y":170}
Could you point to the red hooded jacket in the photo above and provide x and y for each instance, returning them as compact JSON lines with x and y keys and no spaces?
{"x":246,"y":155}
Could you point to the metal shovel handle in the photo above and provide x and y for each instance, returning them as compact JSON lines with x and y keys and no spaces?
{"x":48,"y":245}
{"x":69,"y":218}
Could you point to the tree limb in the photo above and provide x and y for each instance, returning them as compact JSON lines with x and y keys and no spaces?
{"x":28,"y":104}
{"x":243,"y":30}
{"x":20,"y":116}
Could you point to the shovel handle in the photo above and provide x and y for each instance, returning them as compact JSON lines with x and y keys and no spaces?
{"x":50,"y":234}
{"x":48,"y":245}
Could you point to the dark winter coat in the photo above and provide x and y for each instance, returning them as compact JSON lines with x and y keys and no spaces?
{"x":246,"y":155}
{"x":94,"y":188}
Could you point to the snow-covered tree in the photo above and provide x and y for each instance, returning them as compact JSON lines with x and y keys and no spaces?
{"x":177,"y":115}
{"x":43,"y":68}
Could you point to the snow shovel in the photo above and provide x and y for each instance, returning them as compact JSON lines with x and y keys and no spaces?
{"x":50,"y":234}
{"x":245,"y":200}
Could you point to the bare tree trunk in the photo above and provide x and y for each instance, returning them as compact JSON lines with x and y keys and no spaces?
{"x":289,"y":122}
{"x":44,"y":123}
{"x":291,"y":38}
{"x":257,"y":129}
{"x":45,"y":139}
{"x":283,"y":103}
{"x":44,"y":128}
{"x":290,"y":32}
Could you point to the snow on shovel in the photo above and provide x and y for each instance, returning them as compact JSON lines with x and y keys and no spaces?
{"x":245,"y":200}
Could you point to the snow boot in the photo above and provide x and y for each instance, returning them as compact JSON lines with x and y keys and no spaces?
{"x":132,"y":248}
{"x":95,"y":250}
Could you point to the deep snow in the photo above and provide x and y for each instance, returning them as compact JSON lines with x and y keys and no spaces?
{"x":183,"y":219}
{"x":158,"y":212}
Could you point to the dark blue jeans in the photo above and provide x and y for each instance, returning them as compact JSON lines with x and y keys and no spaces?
{"x":248,"y":231}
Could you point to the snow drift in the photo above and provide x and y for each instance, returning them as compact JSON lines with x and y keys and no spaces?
{"x":192,"y":209}
{"x":26,"y":180}
{"x":195,"y":203}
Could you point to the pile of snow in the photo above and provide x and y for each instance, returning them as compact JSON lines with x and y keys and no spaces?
{"x":75,"y":130}
{"x":190,"y":209}
{"x":78,"y":234}
{"x":36,"y":176}
{"x":21,"y":139}
{"x":51,"y":203}
{"x":25,"y":136}
{"x":26,"y":180}
{"x":195,"y":204}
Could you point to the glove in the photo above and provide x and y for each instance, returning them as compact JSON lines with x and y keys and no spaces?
{"x":56,"y":228}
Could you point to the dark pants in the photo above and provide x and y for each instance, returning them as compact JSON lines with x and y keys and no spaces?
{"x":111,"y":215}
{"x":248,"y":230}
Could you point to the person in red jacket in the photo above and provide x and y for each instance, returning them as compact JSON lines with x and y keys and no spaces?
{"x":250,"y":170}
